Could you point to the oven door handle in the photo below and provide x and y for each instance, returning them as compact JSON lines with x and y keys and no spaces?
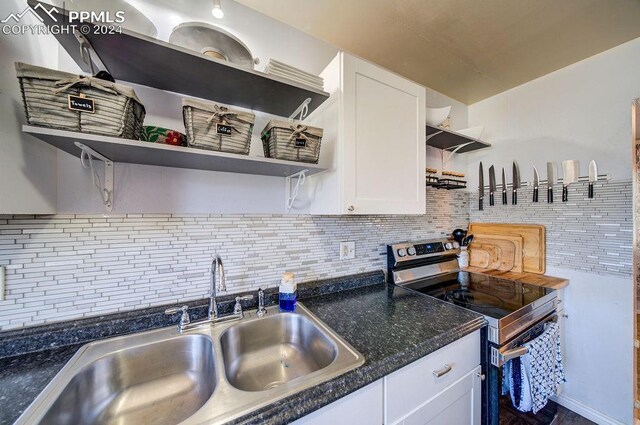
{"x":513,"y":353}
{"x":500,"y":356}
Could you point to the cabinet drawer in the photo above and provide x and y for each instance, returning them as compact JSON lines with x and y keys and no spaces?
{"x":458,"y":404}
{"x":410,"y":387}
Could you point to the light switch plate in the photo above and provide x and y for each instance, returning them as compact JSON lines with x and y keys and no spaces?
{"x":347,"y":250}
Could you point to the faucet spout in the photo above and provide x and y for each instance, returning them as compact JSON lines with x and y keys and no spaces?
{"x":213,"y":306}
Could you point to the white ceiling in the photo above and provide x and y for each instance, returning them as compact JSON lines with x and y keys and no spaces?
{"x":466,"y":49}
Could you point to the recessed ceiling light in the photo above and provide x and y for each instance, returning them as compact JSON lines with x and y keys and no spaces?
{"x":217,"y":9}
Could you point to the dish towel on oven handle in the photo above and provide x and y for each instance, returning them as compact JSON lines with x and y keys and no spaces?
{"x":516,"y":383}
{"x":543,"y":365}
{"x":534,"y":378}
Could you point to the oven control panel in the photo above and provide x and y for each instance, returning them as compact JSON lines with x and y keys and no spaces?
{"x":415,"y":250}
{"x":429,"y":248}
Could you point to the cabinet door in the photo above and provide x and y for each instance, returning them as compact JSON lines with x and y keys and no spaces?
{"x":385,"y":141}
{"x":412,"y":386}
{"x":363,"y":407}
{"x":458,"y":404}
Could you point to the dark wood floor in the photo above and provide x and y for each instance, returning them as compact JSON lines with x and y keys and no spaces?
{"x":510,"y":416}
{"x":568,"y":417}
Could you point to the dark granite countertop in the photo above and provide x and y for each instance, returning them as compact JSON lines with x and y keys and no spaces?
{"x":391,"y":327}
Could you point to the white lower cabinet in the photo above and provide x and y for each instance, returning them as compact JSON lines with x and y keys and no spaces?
{"x":363,"y":407}
{"x":458,"y":404}
{"x":414,"y":395}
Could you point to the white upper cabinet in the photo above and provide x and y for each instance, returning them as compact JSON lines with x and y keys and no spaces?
{"x":374,"y":142}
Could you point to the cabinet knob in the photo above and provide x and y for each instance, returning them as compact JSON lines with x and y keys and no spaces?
{"x":351,"y":208}
{"x":481,"y":376}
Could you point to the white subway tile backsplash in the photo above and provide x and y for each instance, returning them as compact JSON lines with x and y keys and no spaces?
{"x":68,"y":266}
{"x":593,"y":235}
{"x":64,"y":267}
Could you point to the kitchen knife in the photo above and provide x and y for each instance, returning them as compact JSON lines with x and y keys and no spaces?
{"x":552,"y":179}
{"x":492,"y":184}
{"x":480,"y":187}
{"x":570,"y":172}
{"x":593,"y":176}
{"x":515,"y":185}
{"x":536,"y":183}
{"x":504,"y":187}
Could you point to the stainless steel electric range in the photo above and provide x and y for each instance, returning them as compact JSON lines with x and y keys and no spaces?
{"x":515,"y":311}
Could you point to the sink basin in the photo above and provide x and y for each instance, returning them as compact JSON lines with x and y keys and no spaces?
{"x":160,"y":382}
{"x":263,"y":354}
{"x":210,"y":374}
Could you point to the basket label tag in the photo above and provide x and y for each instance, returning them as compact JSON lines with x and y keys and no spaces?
{"x":301,"y":143}
{"x":224,"y":129}
{"x":81,"y":104}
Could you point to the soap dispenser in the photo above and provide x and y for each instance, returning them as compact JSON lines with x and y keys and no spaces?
{"x":288,"y":292}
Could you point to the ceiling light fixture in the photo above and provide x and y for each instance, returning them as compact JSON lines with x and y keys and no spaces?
{"x":217,"y":9}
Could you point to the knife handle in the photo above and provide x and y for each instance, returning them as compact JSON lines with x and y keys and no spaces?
{"x":514,"y":197}
{"x":590,"y":190}
{"x":550,"y":195}
{"x":535,"y":194}
{"x":480,"y":203}
{"x":491,"y":200}
{"x":565,"y":193}
{"x":504,"y":197}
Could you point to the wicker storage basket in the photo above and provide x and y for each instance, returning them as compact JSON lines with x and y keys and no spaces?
{"x":292,"y":142}
{"x":47,"y":96}
{"x":214,"y":127}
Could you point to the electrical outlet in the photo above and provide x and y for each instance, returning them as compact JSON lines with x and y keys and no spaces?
{"x":347,"y":250}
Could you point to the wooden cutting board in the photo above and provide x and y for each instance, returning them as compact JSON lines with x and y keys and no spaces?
{"x":510,"y":248}
{"x":534,"y":241}
{"x":485,"y":256}
{"x":488,"y":256}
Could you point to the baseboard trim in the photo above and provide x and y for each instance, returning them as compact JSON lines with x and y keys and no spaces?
{"x":586,"y":411}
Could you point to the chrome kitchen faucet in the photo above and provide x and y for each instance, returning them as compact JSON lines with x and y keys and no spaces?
{"x":212,"y":316}
{"x":213,"y":305}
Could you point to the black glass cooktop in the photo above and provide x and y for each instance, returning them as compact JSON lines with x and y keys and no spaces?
{"x":483,"y":294}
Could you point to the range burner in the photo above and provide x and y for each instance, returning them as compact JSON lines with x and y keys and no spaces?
{"x":492,"y":297}
{"x":467,"y":298}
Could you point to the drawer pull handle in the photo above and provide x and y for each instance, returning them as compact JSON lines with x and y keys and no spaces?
{"x":440,"y":373}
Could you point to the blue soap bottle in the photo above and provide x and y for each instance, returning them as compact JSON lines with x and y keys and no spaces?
{"x":288,"y":292}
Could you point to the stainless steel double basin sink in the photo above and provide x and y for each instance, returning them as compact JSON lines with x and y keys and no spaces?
{"x":209,"y":374}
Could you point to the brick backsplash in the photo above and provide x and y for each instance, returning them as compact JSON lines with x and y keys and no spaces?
{"x":63,"y":267}
{"x":592,"y":235}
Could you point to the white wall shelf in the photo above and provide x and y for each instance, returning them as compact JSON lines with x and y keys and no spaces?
{"x":451,"y":141}
{"x":143,"y":60}
{"x":139,"y":152}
